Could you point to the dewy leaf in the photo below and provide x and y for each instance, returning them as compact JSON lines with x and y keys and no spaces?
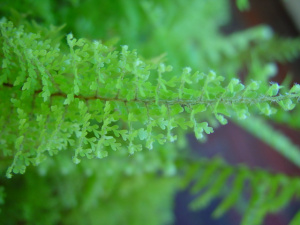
{"x":175,"y":109}
{"x":295,"y":89}
{"x":206,"y":128}
{"x":253,"y":86}
{"x":199,"y":108}
{"x":273,"y":89}
{"x":143,"y":134}
{"x":235,"y":86}
{"x":266,"y":109}
{"x":287,"y":104}
{"x":221,"y":119}
{"x":69,"y":99}
{"x":242,"y":111}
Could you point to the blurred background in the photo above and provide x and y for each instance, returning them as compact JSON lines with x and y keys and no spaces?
{"x":235,"y":144}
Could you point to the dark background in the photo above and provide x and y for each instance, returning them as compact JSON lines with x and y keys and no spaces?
{"x":236,"y":145}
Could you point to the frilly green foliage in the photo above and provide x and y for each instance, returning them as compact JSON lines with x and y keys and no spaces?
{"x":67,"y":98}
{"x":91,"y":192}
{"x":97,"y":100}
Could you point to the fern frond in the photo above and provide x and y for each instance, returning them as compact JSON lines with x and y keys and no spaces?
{"x":256,"y":49}
{"x":269,"y":192}
{"x":96,"y":99}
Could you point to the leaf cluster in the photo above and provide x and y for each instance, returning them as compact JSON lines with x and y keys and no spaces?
{"x":95,"y":99}
{"x":267,"y":193}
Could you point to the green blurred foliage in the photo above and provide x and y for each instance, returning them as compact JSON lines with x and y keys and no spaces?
{"x":140,"y":188}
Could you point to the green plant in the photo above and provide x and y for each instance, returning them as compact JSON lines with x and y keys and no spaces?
{"x":118,"y":115}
